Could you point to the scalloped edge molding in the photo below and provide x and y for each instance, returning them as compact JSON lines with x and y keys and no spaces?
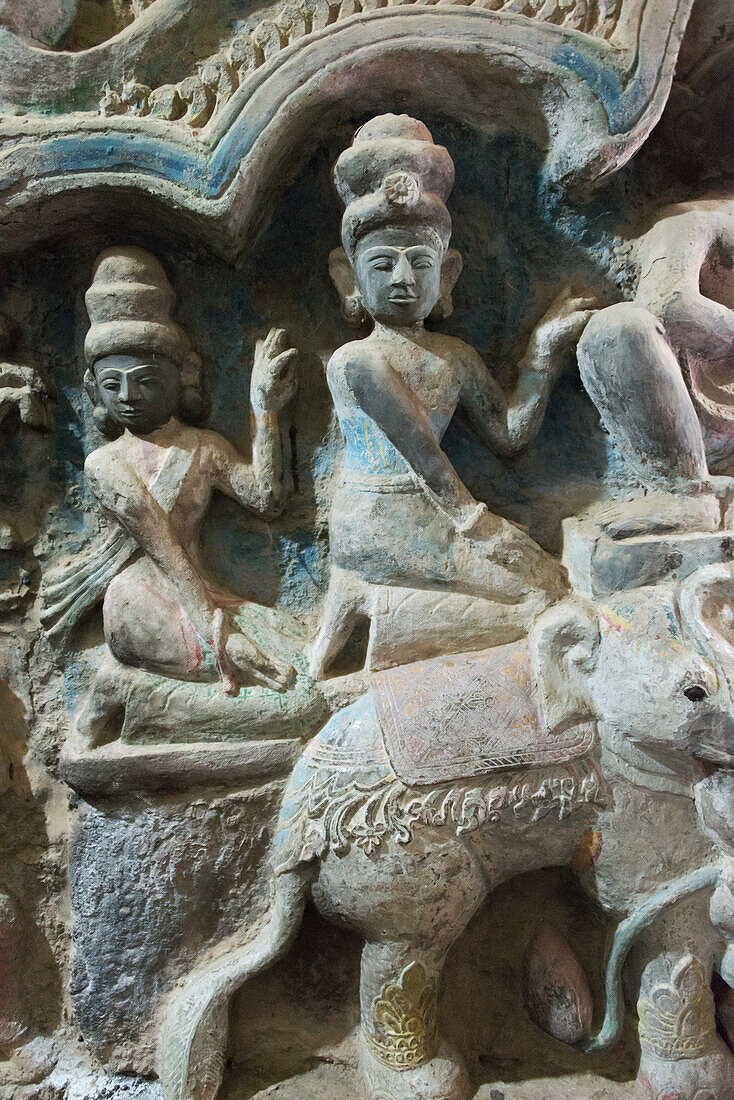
{"x":589,"y":102}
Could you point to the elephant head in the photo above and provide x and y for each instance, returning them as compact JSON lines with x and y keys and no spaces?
{"x":655,"y":665}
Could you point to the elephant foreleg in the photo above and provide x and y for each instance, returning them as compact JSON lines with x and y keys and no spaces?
{"x":681,"y":1054}
{"x":403,"y":1056}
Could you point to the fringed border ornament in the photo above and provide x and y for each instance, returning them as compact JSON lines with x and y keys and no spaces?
{"x":677,"y":1018}
{"x":333,"y":811}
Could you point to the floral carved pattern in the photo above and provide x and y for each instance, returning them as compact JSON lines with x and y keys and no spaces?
{"x":195,"y":100}
{"x":677,"y":1017}
{"x":404,"y":1020}
{"x":333,"y":811}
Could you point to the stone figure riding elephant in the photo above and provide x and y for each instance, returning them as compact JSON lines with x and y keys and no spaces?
{"x":579,"y":746}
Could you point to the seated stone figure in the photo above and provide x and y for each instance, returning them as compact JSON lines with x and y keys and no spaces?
{"x":671,"y":349}
{"x":401,"y":516}
{"x":153,"y":482}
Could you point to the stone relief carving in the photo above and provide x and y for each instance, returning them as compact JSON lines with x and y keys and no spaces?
{"x":401,"y":515}
{"x":679,"y":323}
{"x":676,"y":1021}
{"x":40,"y":20}
{"x":25,"y":388}
{"x":153,"y":483}
{"x":354,"y":827}
{"x":14,"y":1023}
{"x":366,"y":638}
{"x":555,"y":71}
{"x":676,"y":332}
{"x":196,"y":99}
{"x":26,"y":397}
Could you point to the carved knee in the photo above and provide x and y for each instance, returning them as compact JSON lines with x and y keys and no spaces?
{"x":347,"y":602}
{"x":100,"y":716}
{"x":623,"y":331}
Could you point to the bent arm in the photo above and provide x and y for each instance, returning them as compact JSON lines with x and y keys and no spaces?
{"x":506,"y":422}
{"x":258,"y":485}
{"x":123,"y":497}
{"x":268,"y":463}
{"x":371,"y":384}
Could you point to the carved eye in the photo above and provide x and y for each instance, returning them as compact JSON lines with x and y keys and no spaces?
{"x":695,"y":693}
{"x":423,"y":264}
{"x":382,"y":265}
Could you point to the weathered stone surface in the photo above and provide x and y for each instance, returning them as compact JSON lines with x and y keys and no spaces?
{"x":151,"y":885}
{"x":339,"y":1084}
{"x":366,"y":698}
{"x":600,"y":563}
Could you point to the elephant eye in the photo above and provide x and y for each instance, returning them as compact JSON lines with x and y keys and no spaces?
{"x":695,"y":693}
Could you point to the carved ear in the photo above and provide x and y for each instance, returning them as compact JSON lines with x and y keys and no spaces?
{"x":450,"y":271}
{"x":102,"y":419}
{"x":564,"y":646}
{"x":90,"y":386}
{"x":342,"y":275}
{"x":705,"y":600}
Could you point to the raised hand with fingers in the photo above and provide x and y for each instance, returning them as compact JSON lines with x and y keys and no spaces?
{"x":274,"y":379}
{"x":559,"y":330}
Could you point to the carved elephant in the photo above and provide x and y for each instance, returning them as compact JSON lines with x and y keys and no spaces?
{"x":579,"y":746}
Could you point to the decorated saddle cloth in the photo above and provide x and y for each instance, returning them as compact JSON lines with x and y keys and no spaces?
{"x":463,"y":716}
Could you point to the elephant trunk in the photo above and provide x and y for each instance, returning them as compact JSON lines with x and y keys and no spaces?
{"x":193,"y":1037}
{"x":705,"y":878}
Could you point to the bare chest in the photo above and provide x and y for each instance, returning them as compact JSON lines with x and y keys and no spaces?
{"x":174,"y":477}
{"x":432,"y":379}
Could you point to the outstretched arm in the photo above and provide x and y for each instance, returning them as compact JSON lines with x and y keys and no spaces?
{"x":507,"y":422}
{"x":260,"y":485}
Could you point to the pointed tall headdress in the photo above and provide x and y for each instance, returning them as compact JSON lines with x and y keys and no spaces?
{"x":129,"y":304}
{"x":394,"y":174}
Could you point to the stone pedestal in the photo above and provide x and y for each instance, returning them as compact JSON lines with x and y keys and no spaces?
{"x":599,"y":565}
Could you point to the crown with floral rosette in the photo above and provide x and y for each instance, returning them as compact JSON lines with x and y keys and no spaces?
{"x":393,"y":174}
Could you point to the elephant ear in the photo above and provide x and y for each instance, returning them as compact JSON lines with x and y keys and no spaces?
{"x":564,"y":647}
{"x":706,"y":601}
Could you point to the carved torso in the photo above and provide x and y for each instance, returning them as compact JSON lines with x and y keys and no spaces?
{"x":432,"y":374}
{"x":174,"y":466}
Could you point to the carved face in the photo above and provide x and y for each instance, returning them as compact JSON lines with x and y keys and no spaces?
{"x":398,"y":273}
{"x":676,"y":699}
{"x":139,"y":394}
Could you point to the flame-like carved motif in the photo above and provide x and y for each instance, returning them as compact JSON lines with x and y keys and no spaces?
{"x":677,"y":1017}
{"x":404,"y":1020}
